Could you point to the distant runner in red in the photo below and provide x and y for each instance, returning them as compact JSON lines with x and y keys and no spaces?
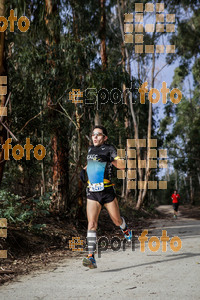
{"x":175,"y":201}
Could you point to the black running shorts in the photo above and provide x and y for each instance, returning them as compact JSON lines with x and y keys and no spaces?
{"x":105,"y":196}
{"x":175,"y":206}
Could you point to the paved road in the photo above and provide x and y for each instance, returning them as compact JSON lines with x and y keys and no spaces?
{"x":123,"y":274}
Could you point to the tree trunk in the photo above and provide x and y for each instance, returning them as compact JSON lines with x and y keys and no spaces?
{"x":125,"y":67}
{"x":78,"y":150}
{"x":191,"y":191}
{"x":102,"y":34}
{"x":104,"y":61}
{"x":79,"y":213}
{"x":97,"y":120}
{"x":3,"y":72}
{"x":43,"y":190}
{"x":126,"y":121}
{"x":143,"y":192}
{"x":60,"y":154}
{"x":176,"y":179}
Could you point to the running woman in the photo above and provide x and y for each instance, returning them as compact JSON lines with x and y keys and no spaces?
{"x":175,"y":200}
{"x":100,"y":190}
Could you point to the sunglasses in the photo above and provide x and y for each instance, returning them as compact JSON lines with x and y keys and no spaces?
{"x":98,"y":134}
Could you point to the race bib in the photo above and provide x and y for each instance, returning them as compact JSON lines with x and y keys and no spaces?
{"x":96,"y":187}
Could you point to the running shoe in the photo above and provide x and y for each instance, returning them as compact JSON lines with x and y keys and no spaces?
{"x":127,"y":234}
{"x":89,"y":262}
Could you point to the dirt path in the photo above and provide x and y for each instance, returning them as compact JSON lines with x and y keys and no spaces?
{"x":129,"y":274}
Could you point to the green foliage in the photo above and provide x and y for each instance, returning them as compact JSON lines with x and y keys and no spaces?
{"x":23,"y":212}
{"x":52,"y":58}
{"x":181,"y":124}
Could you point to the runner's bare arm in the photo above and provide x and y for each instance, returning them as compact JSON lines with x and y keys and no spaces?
{"x":119,"y":164}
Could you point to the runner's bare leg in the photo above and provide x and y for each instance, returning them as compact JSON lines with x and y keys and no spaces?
{"x":93,"y":210}
{"x":113,"y":210}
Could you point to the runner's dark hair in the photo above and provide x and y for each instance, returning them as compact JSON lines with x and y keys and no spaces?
{"x":102,"y":128}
